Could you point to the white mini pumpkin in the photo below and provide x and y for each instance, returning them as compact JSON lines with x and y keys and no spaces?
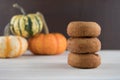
{"x":12,"y":46}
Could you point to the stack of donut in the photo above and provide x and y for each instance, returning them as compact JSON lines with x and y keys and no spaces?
{"x":83,"y":44}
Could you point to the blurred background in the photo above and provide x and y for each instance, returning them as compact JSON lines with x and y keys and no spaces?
{"x":58,"y":13}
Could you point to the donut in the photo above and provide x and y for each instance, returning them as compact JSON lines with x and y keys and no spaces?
{"x":85,"y":61}
{"x":83,"y":29}
{"x":83,"y":45}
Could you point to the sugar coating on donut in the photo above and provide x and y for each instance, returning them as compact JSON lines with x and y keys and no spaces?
{"x":92,"y":60}
{"x":83,"y":45}
{"x":83,"y":29}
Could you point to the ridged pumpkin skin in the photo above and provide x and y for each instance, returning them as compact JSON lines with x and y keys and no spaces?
{"x":26,"y":25}
{"x":12,"y":46}
{"x":52,"y":43}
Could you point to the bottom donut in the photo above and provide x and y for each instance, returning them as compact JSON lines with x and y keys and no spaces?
{"x":84,"y":61}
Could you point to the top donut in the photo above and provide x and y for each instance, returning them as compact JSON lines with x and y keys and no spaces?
{"x":83,"y":29}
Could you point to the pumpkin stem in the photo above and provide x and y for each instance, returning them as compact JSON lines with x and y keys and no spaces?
{"x":7,"y":30}
{"x":19,"y":7}
{"x":44,"y":22}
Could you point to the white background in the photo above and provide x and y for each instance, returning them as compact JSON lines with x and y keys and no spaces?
{"x":55,"y":67}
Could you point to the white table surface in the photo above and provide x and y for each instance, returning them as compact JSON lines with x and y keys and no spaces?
{"x":31,"y":67}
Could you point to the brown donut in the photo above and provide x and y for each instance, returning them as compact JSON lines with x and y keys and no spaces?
{"x":85,"y":61}
{"x":83,"y":45}
{"x":83,"y":29}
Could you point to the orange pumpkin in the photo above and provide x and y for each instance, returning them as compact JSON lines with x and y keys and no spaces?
{"x":52,"y":43}
{"x":48,"y":43}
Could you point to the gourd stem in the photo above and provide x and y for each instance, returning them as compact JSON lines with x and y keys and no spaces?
{"x":19,"y":7}
{"x":44,"y":22}
{"x":7,"y":30}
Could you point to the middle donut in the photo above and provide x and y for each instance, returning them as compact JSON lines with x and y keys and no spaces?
{"x":83,"y":45}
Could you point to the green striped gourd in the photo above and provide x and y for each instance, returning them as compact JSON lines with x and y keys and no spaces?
{"x":25,"y":25}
